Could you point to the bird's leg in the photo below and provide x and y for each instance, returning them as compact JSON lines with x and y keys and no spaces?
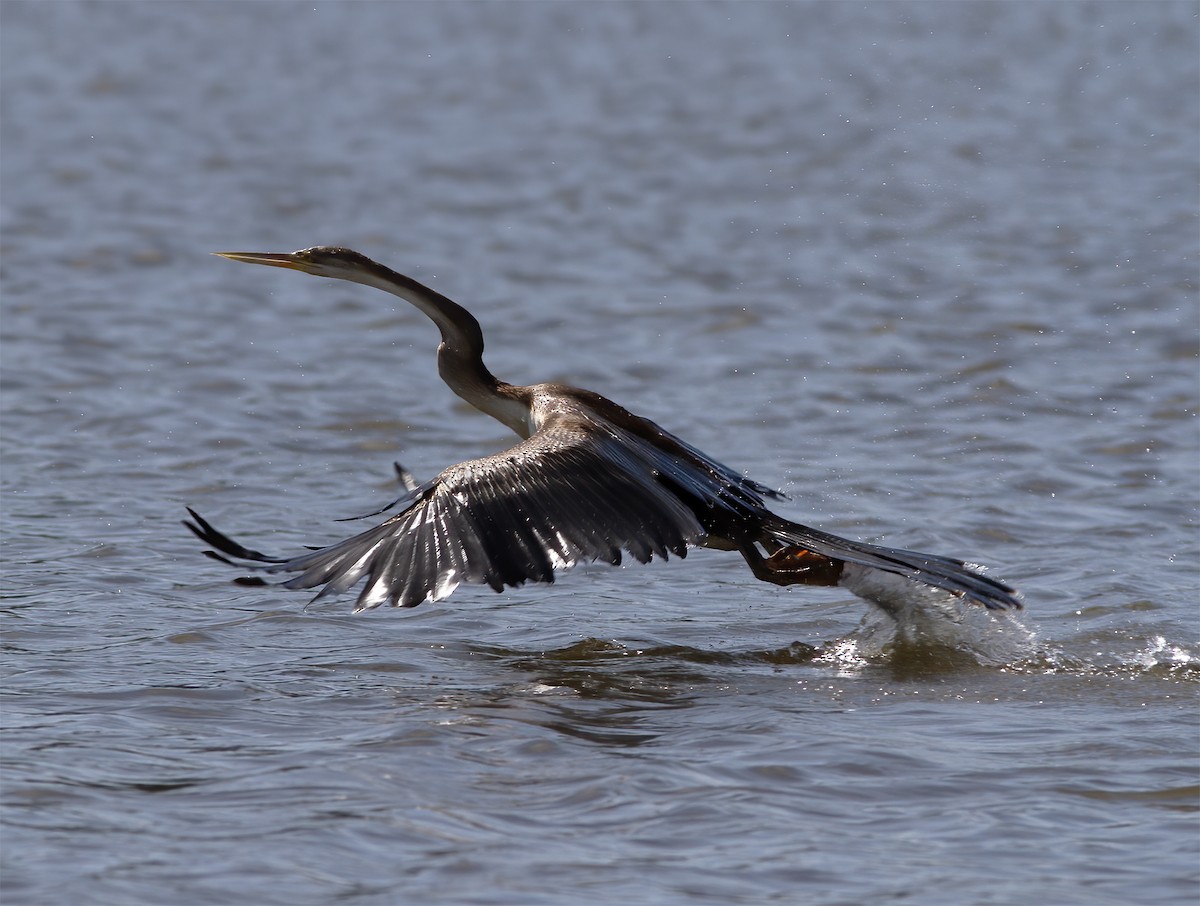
{"x":791,"y":565}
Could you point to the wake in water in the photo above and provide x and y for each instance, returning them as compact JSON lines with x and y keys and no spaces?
{"x":917,"y":618}
{"x":933,"y":630}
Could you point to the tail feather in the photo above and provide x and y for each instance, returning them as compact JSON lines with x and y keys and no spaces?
{"x":931,"y":569}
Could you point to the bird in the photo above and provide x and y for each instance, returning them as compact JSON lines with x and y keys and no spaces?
{"x":587,"y":481}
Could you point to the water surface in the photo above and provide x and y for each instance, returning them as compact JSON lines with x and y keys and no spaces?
{"x":930,"y":269}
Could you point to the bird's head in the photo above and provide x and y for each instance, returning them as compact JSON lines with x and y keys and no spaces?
{"x":320,"y":261}
{"x":461,"y":334}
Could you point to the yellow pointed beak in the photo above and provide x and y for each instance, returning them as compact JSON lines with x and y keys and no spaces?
{"x":273,"y":259}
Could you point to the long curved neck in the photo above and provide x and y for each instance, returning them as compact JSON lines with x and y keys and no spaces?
{"x":460,"y":354}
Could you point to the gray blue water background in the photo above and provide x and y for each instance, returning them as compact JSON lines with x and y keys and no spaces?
{"x":929,"y":268}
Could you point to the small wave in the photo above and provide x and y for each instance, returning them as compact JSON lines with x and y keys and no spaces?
{"x":1159,"y":652}
{"x":1152,"y":656}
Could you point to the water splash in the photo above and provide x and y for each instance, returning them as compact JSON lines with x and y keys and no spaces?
{"x":1159,"y":652}
{"x":941,"y":626}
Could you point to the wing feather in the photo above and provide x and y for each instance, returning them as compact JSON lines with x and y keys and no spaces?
{"x":567,"y":494}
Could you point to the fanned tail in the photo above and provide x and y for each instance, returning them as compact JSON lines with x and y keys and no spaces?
{"x":941,"y":572}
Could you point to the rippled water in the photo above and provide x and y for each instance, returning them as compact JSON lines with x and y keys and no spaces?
{"x":931,"y":269}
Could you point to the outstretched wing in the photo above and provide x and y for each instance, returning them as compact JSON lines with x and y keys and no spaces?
{"x":570,"y":493}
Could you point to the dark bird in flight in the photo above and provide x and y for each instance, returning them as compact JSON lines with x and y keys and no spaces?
{"x":587,"y":481}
